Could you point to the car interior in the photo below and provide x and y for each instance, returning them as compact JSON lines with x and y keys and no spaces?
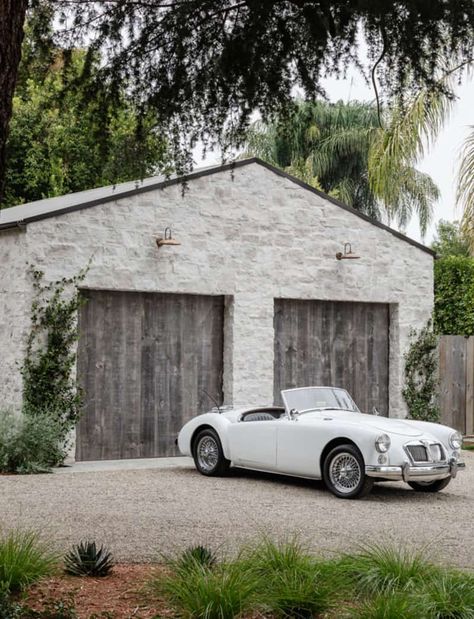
{"x":264,"y":414}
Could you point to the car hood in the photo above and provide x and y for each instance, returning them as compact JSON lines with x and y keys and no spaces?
{"x":384,"y":424}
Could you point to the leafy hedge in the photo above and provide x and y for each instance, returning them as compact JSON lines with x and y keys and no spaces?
{"x":421,"y":375}
{"x":454,"y":296}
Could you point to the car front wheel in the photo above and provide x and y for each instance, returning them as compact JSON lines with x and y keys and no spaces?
{"x":429,"y":486}
{"x":344,"y":473}
{"x":208,"y":454}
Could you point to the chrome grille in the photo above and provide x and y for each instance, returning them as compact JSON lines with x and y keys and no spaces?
{"x":437,"y":453}
{"x":418,"y":453}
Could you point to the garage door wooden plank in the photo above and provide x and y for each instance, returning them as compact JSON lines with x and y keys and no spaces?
{"x":144,"y":360}
{"x":345,"y":344}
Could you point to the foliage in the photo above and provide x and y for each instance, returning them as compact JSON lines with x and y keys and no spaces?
{"x":194,"y":591}
{"x":389,"y":606}
{"x":201,"y":555}
{"x":59,"y":143}
{"x":450,"y":596}
{"x":465,"y":188}
{"x":290,"y":582}
{"x":29,"y":444}
{"x":86,"y":559}
{"x":454,"y":295}
{"x":47,"y":371}
{"x":450,"y":240}
{"x":421,"y":375}
{"x":24,"y":558}
{"x":203,"y":68}
{"x":331,"y":146}
{"x":383,"y":569}
{"x":284,"y":580}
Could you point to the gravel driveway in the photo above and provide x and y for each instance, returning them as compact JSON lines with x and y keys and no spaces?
{"x":142,"y":513}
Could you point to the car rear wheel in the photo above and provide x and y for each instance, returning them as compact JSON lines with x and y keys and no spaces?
{"x":429,"y":486}
{"x":208,"y":454}
{"x":344,"y":473}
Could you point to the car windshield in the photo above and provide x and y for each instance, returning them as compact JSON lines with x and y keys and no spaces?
{"x":318,"y":398}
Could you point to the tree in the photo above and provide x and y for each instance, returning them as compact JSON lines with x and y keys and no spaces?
{"x":203,"y":66}
{"x":454,"y":295}
{"x":12,"y":18}
{"x":331,"y":146}
{"x":415,"y":126}
{"x":450,"y":240}
{"x":61,"y":142}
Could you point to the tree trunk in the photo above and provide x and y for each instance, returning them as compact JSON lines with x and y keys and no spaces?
{"x":12,"y":19}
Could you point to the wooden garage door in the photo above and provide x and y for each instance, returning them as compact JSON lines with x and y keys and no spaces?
{"x":333,"y":343}
{"x":144,"y":361}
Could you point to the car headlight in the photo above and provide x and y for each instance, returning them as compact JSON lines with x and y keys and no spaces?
{"x":382,"y":443}
{"x":455,"y":440}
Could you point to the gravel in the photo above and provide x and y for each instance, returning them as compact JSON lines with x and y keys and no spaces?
{"x":143,"y":514}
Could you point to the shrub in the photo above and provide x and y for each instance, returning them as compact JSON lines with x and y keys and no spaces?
{"x":23,"y":560}
{"x":195,"y":592}
{"x":29,"y":444}
{"x":200,"y":555}
{"x":421,"y":375}
{"x":86,"y":559}
{"x":454,"y":296}
{"x":389,"y":606}
{"x":378,"y":569}
{"x":290,"y":582}
{"x":450,"y":596}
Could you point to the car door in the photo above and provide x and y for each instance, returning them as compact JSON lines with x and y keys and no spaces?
{"x":299,"y":447}
{"x":253,"y":444}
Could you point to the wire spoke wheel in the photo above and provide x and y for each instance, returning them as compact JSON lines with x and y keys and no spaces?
{"x":345,"y":472}
{"x":207,"y":453}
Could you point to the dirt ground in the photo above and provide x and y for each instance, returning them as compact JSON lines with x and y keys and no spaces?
{"x":142,"y":514}
{"x":122,"y":594}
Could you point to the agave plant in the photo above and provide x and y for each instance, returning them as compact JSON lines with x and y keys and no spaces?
{"x":85,"y":559}
{"x":200,"y":555}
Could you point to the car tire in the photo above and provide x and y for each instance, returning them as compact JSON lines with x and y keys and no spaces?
{"x":429,"y":486}
{"x":208,"y":454}
{"x":351,"y":483}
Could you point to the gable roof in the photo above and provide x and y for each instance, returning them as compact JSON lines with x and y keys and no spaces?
{"x":19,"y":216}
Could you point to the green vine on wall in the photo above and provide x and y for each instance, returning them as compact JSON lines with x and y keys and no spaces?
{"x":421,"y":375}
{"x":49,"y":386}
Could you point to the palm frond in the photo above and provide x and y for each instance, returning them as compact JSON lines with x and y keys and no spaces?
{"x":465,"y":189}
{"x":410,"y":131}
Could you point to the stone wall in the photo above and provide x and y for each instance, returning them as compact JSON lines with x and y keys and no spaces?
{"x":252,"y":236}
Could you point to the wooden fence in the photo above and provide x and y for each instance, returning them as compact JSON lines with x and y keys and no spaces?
{"x":456,"y":372}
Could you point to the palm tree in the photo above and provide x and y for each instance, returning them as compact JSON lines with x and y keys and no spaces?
{"x":336,"y":147}
{"x":465,"y":189}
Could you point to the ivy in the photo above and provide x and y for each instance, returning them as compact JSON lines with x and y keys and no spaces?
{"x":454,"y":296}
{"x":49,"y":386}
{"x":421,"y":375}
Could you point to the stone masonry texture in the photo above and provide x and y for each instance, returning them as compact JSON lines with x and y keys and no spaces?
{"x":251,"y":235}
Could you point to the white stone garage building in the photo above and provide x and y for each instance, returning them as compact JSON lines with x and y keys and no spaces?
{"x":251,"y":301}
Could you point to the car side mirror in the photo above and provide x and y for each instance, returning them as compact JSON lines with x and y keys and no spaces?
{"x":293,"y":413}
{"x":375,"y":412}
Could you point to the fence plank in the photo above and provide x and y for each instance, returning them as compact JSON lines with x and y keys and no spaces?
{"x":470,"y":386}
{"x":456,"y":364}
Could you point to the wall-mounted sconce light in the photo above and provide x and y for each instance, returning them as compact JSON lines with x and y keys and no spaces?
{"x":348,"y":254}
{"x":167,"y":239}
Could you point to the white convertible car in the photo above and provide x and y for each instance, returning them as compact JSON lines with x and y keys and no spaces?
{"x":321,"y":434}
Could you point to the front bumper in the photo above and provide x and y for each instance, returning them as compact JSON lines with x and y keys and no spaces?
{"x":408,"y":472}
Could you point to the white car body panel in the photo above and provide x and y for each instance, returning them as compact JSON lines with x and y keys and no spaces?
{"x":294,"y":443}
